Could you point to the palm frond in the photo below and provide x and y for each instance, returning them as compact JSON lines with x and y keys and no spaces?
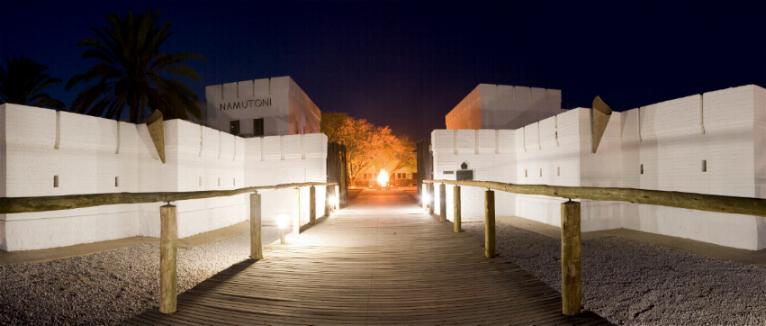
{"x":131,"y":74}
{"x":24,"y":81}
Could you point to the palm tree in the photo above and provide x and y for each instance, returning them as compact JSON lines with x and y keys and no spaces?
{"x":23,"y":81}
{"x":131,"y":72}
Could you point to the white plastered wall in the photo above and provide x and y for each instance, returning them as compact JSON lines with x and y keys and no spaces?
{"x":671,"y":140}
{"x":94,"y":155}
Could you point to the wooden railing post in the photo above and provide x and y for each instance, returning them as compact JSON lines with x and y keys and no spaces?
{"x":456,"y":227}
{"x":442,"y":202}
{"x":256,"y":246}
{"x":168,"y":236}
{"x":336,"y":204}
{"x":489,"y":224}
{"x":433,"y":199}
{"x":571,"y":283}
{"x":312,"y":205}
{"x":296,"y":220}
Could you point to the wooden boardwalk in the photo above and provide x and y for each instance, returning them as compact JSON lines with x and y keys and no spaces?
{"x":380,"y":261}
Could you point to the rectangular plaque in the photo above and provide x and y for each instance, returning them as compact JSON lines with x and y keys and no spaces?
{"x":464,"y":175}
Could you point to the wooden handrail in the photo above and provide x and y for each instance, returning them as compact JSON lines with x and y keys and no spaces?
{"x":704,"y":202}
{"x":53,"y":203}
{"x":571,"y":280}
{"x":168,"y":220}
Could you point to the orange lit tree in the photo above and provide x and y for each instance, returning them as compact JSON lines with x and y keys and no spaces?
{"x":368,"y":146}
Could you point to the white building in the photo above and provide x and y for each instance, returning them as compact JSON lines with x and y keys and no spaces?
{"x":712,"y":143}
{"x":45,"y":152}
{"x":491,"y":106}
{"x":261,"y":107}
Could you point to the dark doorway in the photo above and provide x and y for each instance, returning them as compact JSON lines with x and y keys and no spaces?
{"x":258,"y":127}
{"x":234,"y":127}
{"x":425,"y":163}
{"x":336,"y":169}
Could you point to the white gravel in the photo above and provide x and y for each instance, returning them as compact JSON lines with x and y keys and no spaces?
{"x":635,"y":283}
{"x":106,"y":287}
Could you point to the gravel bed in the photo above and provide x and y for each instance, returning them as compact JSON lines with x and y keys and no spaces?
{"x":106,"y":287}
{"x":634,"y":283}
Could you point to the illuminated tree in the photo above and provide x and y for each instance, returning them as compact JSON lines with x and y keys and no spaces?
{"x":367,"y":146}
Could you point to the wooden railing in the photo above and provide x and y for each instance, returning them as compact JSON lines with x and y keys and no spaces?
{"x":571,"y":283}
{"x":168,"y":221}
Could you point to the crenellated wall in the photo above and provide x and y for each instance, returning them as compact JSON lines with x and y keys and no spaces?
{"x":284,"y":106}
{"x":707,"y":143}
{"x":83,"y":154}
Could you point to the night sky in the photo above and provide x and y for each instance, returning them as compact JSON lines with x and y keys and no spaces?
{"x":406,"y":65}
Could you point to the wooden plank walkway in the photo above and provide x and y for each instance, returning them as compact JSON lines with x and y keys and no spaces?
{"x":380,"y":261}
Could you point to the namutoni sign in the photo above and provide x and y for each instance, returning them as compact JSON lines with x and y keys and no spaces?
{"x":245,"y":104}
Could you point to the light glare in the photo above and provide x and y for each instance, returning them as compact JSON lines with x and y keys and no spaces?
{"x":334,"y":202}
{"x":383,"y":178}
{"x":425,"y":198}
{"x":283,"y":220}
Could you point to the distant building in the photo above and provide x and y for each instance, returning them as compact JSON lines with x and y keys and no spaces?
{"x":261,"y":107}
{"x":503,"y":107}
{"x":401,"y":177}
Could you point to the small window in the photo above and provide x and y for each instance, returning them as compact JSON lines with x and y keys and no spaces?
{"x":199,"y":181}
{"x":526,"y":175}
{"x":258,"y":127}
{"x":642,"y":168}
{"x":116,"y":182}
{"x":219,"y":181}
{"x":558,"y":171}
{"x":541,"y":172}
{"x":234,"y":127}
{"x":55,"y":181}
{"x":704,"y":165}
{"x":234,"y":181}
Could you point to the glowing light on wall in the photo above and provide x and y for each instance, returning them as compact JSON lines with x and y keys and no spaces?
{"x":383,"y":178}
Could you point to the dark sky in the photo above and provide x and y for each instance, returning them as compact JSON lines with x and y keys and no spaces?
{"x":406,"y":65}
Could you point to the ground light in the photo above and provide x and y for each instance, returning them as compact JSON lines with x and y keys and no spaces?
{"x":334,"y":202}
{"x":283,"y":221}
{"x":383,"y":178}
{"x":425,"y":198}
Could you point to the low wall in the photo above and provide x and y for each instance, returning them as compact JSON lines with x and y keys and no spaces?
{"x":708,"y":143}
{"x":57,"y":153}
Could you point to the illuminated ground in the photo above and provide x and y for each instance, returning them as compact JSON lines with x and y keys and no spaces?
{"x":104,"y":283}
{"x":630,"y":279}
{"x":383,"y":260}
{"x":380,"y":261}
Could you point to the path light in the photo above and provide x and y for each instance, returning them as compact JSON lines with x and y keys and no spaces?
{"x":383,"y":178}
{"x":425,"y":198}
{"x":334,"y":202}
{"x":283,"y":221}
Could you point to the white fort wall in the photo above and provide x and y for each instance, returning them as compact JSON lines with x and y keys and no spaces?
{"x":724,"y":129}
{"x":94,"y":155}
